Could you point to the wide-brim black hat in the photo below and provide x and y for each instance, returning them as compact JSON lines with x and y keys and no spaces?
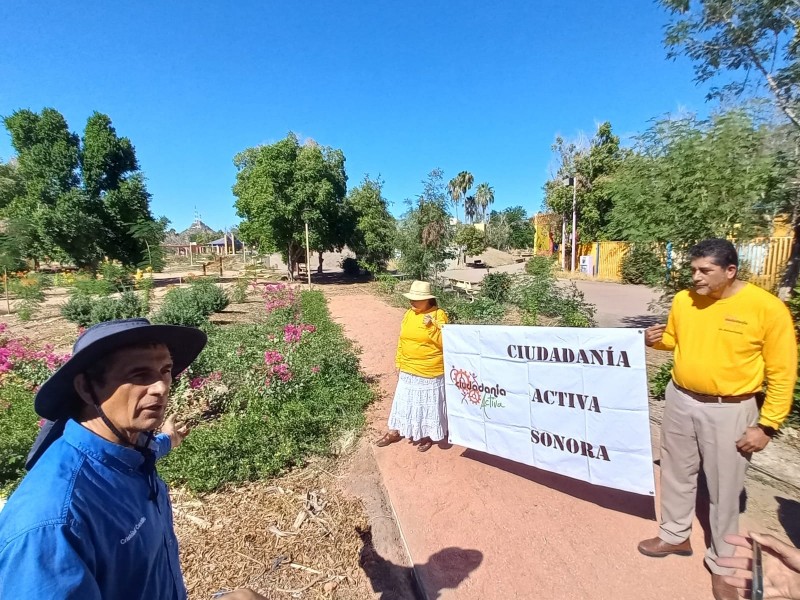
{"x":57,"y":396}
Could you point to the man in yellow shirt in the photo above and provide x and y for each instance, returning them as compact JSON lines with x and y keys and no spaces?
{"x":727,"y":337}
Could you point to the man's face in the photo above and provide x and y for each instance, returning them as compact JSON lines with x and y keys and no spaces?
{"x":136,"y":386}
{"x":709,"y":278}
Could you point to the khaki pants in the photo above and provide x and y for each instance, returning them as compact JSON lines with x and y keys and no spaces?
{"x":691,"y":432}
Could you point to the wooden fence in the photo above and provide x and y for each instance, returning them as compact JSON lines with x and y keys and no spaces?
{"x":763,"y":258}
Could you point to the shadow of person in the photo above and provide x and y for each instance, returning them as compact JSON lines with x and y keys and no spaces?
{"x":789,"y":517}
{"x":445,"y":569}
{"x":637,"y":505}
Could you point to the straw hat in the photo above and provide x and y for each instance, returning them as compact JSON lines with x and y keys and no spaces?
{"x":420,"y":290}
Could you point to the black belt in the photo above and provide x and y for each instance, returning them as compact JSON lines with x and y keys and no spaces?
{"x":714,"y":399}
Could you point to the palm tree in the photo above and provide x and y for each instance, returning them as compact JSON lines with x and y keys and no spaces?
{"x":470,"y":209}
{"x":484,"y":196}
{"x":459,"y":186}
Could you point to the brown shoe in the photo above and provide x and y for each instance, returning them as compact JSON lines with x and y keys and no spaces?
{"x":389,"y":438}
{"x":658,"y":548}
{"x":723,"y":590}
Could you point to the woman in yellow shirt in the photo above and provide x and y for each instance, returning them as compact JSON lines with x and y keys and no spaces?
{"x":418,"y":410}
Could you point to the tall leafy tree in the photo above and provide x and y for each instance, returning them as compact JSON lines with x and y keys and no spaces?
{"x":281,"y":186}
{"x":484,"y":197}
{"x":424,"y":233}
{"x":510,"y":228}
{"x":754,"y":46}
{"x":693,"y":179}
{"x":80,"y":197}
{"x":591,"y":169}
{"x":753,"y":43}
{"x":374,"y":229}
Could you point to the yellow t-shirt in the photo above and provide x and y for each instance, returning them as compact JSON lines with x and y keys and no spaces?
{"x":419,"y":350}
{"x":727,"y":347}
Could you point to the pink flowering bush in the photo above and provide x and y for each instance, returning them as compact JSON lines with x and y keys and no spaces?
{"x":293,"y":387}
{"x":277,"y":296}
{"x":23,"y":367}
{"x":197,"y":398}
{"x":23,"y":361}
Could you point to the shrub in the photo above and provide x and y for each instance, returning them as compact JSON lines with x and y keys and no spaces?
{"x":115,"y":274}
{"x":89,"y":285}
{"x":496,"y":286}
{"x":239,"y":295}
{"x":78,"y":308}
{"x":542,"y":296}
{"x":29,"y":291}
{"x":350,"y":267}
{"x":293,"y":389}
{"x":18,"y":422}
{"x":180,"y":308}
{"x":540,"y":266}
{"x":385,"y":283}
{"x":659,"y":381}
{"x":23,"y":367}
{"x":192,"y":306}
{"x":85,"y":310}
{"x":210,"y":297}
{"x":480,"y":311}
{"x":641,"y":265}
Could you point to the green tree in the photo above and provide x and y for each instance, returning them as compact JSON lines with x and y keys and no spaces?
{"x":470,"y":240}
{"x":753,"y":43}
{"x":592,"y":168}
{"x":279,"y":187}
{"x":510,"y":228}
{"x":458,"y":188}
{"x":374,"y":229}
{"x":484,"y":197}
{"x":692,"y":179}
{"x":80,"y":197}
{"x":424,"y":234}
{"x":754,"y":46}
{"x":11,"y":184}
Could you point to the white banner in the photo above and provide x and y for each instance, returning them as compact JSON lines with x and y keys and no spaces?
{"x":567,"y":400}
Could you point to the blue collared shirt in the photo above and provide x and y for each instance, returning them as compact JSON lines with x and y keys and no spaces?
{"x":81,"y":525}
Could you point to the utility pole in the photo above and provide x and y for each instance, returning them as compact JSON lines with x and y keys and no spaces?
{"x":308,"y":258}
{"x":574,"y":218}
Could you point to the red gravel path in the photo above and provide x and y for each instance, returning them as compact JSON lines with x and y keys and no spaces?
{"x":482,"y":528}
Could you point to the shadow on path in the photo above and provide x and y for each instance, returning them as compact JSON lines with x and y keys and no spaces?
{"x":446,"y":569}
{"x":641,"y":321}
{"x":636,"y":505}
{"x":789,"y":517}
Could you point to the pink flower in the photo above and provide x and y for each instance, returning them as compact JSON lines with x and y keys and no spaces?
{"x":271,"y":357}
{"x":315,"y":370}
{"x":282,"y":372}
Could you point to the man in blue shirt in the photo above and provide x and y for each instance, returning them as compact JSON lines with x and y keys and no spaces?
{"x":92,"y":519}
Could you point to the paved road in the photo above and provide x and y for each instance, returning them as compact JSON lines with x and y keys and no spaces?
{"x":619,"y":305}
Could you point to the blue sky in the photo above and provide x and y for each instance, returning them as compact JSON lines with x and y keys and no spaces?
{"x":401,"y":88}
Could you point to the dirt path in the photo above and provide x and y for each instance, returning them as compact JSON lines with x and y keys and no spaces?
{"x":478,"y":527}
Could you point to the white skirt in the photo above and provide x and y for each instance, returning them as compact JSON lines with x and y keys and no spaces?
{"x":418,"y":409}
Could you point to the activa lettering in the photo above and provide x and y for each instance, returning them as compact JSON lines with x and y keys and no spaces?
{"x":604,"y":358}
{"x":571,"y":445}
{"x":567,"y":399}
